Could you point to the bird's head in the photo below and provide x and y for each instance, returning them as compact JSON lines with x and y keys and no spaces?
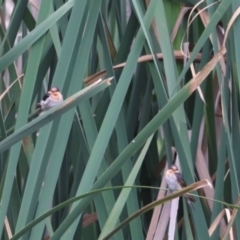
{"x":174,"y":168}
{"x":55,"y":93}
{"x":54,"y":89}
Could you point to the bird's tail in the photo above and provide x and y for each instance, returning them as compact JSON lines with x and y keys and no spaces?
{"x":190,"y":200}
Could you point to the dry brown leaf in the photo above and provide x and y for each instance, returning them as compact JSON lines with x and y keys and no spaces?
{"x":231,"y":218}
{"x":216,"y":222}
{"x":203,"y":173}
{"x":91,"y":79}
{"x":89,"y":219}
{"x":110,"y":42}
{"x":230,"y":23}
{"x":205,"y":19}
{"x":173,"y":218}
{"x":178,"y":22}
{"x":201,"y":76}
{"x":177,"y":54}
{"x":228,"y":214}
{"x":33,"y":4}
{"x":153,"y":24}
{"x":9,"y":87}
{"x":157,"y":211}
{"x":8,"y":228}
{"x":196,"y":81}
{"x":163,"y":222}
{"x":186,"y":54}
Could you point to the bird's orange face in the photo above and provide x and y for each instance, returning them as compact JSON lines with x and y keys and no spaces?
{"x":55,"y":93}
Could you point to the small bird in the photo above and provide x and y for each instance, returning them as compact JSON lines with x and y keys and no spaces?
{"x":51,"y":99}
{"x":176,"y":182}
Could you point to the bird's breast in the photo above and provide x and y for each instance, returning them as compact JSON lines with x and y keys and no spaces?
{"x":172,"y":182}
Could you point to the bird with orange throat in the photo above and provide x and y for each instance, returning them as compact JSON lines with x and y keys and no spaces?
{"x":176,"y":182}
{"x":51,"y":99}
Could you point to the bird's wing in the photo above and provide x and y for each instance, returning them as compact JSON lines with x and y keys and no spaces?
{"x":46,"y":96}
{"x":180,"y":179}
{"x":190,"y":198}
{"x":183,"y":184}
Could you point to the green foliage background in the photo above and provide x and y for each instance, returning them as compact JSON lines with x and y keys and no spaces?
{"x":125,"y":130}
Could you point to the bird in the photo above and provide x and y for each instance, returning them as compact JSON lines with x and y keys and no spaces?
{"x":51,"y":99}
{"x":176,"y":182}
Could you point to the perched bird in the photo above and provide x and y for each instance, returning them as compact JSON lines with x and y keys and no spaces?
{"x":52,"y":98}
{"x":176,"y":182}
